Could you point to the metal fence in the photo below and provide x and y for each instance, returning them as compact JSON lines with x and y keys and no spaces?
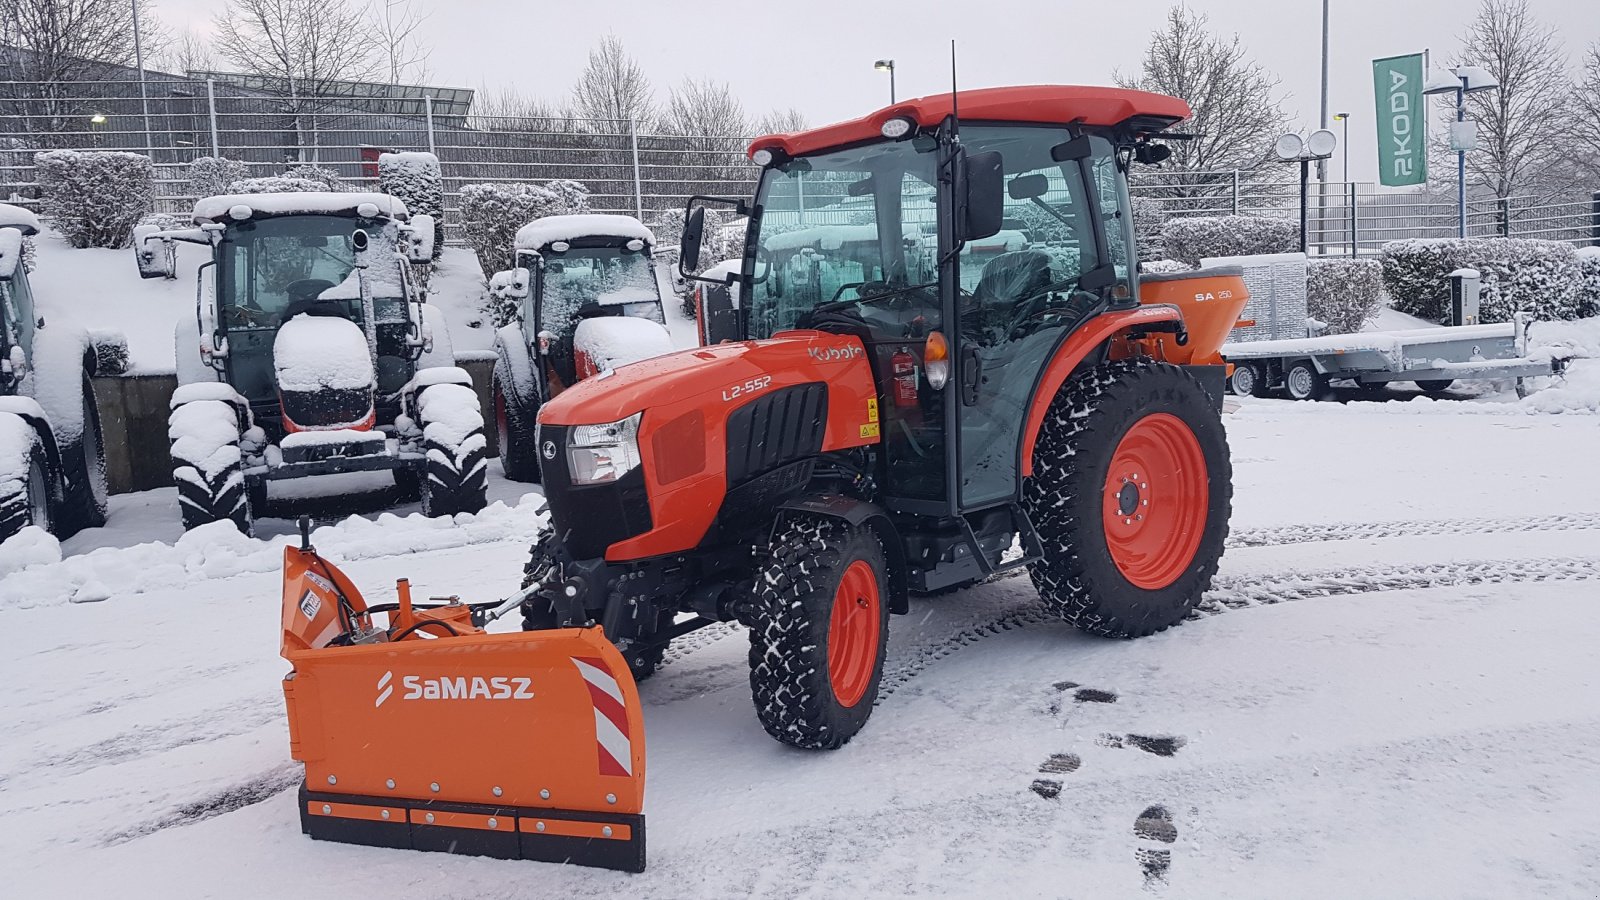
{"x":271,"y":127}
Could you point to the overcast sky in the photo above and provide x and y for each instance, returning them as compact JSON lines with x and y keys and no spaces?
{"x":816,"y":55}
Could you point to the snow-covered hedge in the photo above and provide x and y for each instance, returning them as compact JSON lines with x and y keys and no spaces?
{"x":502,"y":305}
{"x":416,"y":179}
{"x":1193,"y":238}
{"x":1589,"y":266}
{"x":492,"y":213}
{"x":1344,"y":294}
{"x":1149,"y":218}
{"x":327,"y":178}
{"x":1539,"y":277}
{"x":210,"y":176}
{"x":1163,"y":266}
{"x":274,"y":184}
{"x":96,"y":198}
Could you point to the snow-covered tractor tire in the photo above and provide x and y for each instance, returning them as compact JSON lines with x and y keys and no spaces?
{"x":539,"y":614}
{"x":25,"y":500}
{"x":208,"y":465}
{"x":516,"y":430}
{"x":455,"y":473}
{"x":818,"y":631}
{"x":84,"y":462}
{"x":1130,"y":495}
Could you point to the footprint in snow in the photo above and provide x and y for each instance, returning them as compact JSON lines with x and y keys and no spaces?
{"x":1057,"y":764}
{"x":1080,"y":694}
{"x":1159,"y":744}
{"x":1152,"y":828}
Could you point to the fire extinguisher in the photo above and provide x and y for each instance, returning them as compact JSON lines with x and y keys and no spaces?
{"x":903,"y":372}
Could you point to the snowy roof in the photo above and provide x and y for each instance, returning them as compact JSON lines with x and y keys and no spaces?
{"x":830,"y":237}
{"x":215,"y":209}
{"x":541,"y":233}
{"x":17,"y":217}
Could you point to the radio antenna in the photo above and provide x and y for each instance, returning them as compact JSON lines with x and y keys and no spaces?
{"x":955,"y":113}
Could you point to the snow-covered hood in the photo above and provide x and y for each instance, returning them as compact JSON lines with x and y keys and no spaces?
{"x":312,"y":353}
{"x":612,"y":341}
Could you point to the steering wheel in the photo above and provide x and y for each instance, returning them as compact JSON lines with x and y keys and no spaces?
{"x":306,"y":289}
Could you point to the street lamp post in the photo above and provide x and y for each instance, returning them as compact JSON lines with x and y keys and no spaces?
{"x":1349,"y":186}
{"x":144,"y":99}
{"x":887,"y":65}
{"x":1461,"y":81}
{"x":1317,"y":148}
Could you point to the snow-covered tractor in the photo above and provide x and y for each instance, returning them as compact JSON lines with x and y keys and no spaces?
{"x":311,"y":353}
{"x":52,"y":461}
{"x":588,"y":294}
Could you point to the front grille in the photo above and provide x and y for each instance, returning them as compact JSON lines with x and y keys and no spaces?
{"x":326,"y":408}
{"x":777,"y":428}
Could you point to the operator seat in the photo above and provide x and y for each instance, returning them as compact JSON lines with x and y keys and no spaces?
{"x":1011,"y":287}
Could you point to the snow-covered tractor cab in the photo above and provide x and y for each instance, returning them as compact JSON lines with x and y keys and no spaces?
{"x":52,"y":461}
{"x":311,"y":353}
{"x":589,"y":299}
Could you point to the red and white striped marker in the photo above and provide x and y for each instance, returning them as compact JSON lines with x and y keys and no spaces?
{"x":610,"y":716}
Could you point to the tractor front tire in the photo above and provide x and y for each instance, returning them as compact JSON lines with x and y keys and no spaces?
{"x":1130,"y":495}
{"x":455,"y":472}
{"x":539,"y":615}
{"x":207,"y":464}
{"x":26,"y":501}
{"x":515,"y":427}
{"x":819,"y":627}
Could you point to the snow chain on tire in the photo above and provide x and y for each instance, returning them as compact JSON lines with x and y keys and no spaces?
{"x":538,"y":614}
{"x":1077,"y":578}
{"x":794,"y":595}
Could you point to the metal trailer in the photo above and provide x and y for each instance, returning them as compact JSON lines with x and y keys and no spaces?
{"x":1263,"y":357}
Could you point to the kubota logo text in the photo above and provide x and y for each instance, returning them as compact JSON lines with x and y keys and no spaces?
{"x":477,"y":687}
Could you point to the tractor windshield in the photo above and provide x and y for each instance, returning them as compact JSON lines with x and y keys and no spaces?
{"x":270,"y":265}
{"x":853,"y":229}
{"x":584,"y":282}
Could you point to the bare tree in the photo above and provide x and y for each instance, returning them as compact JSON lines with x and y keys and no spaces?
{"x":55,"y":42}
{"x":1586,"y":113}
{"x":1237,"y":113}
{"x":781,"y":121}
{"x":307,"y":44}
{"x":400,"y":31}
{"x":613,"y":86}
{"x":188,"y":52}
{"x":707,"y":128}
{"x":1523,"y":125}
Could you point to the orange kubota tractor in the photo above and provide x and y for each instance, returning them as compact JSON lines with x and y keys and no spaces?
{"x":878,"y":419}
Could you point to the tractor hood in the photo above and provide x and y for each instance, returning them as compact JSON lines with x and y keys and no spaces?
{"x":725,"y":377}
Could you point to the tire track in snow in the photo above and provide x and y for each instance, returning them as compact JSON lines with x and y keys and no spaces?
{"x":246,"y":793}
{"x":1351,"y":531}
{"x":1241,"y":592}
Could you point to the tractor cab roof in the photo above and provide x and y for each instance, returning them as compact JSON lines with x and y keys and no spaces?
{"x":19,"y":218}
{"x":1042,"y":104}
{"x":300,"y":203}
{"x":592,"y":229}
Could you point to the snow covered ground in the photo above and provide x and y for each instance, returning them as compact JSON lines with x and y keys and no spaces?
{"x":1389,"y":693}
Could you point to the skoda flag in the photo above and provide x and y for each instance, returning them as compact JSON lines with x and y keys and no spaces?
{"x":1402,"y":131}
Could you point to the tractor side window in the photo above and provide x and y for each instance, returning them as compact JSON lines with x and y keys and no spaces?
{"x":22,"y":304}
{"x":1116,"y":210}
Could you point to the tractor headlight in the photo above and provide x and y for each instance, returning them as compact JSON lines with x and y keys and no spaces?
{"x":598,"y":454}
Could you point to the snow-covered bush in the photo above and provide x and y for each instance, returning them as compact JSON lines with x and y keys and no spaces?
{"x":571,"y":196}
{"x":492,"y":213}
{"x":209,"y":176}
{"x":1344,"y":294}
{"x":503,"y":305}
{"x":274,"y":184}
{"x":1193,"y":238}
{"x":96,"y":198}
{"x":416,"y":180}
{"x":1589,"y":266}
{"x":327,"y":178}
{"x":1149,"y":218}
{"x":1539,"y":277}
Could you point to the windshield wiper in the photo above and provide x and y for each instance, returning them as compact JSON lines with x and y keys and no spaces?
{"x":838,"y":305}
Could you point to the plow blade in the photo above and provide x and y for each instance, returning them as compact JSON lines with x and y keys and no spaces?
{"x":519,"y":746}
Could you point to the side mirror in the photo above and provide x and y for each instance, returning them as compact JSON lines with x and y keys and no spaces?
{"x":980,"y":196}
{"x":694,"y":233}
{"x":157,"y":257}
{"x":510,"y":284}
{"x":419,"y":236}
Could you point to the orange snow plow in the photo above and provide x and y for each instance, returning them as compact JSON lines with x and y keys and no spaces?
{"x":423,"y":731}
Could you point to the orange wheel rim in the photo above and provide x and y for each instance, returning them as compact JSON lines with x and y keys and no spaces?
{"x":853,"y":633}
{"x":1154,"y":505}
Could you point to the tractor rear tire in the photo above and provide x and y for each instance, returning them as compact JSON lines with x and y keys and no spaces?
{"x":455,"y":473}
{"x":819,"y":627}
{"x":539,"y":615}
{"x":519,"y":440}
{"x":1130,"y":495}
{"x":209,"y":472}
{"x":84,"y":462}
{"x":26,"y":501}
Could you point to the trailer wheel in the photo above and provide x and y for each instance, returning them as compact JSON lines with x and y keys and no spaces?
{"x":1304,"y":382}
{"x":818,"y":631}
{"x":1131,"y":494}
{"x":539,"y":615}
{"x":1247,"y":380}
{"x":26,"y":501}
{"x":518,"y":438}
{"x":455,"y":474}
{"x":1437,"y":386}
{"x":207,"y":464}
{"x":84,"y":501}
